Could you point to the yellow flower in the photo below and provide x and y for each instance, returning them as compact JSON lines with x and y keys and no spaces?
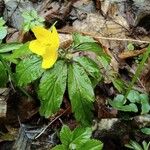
{"x":45,"y":45}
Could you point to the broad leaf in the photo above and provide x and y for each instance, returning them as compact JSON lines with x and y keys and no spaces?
{"x":90,"y":46}
{"x":145,"y":103}
{"x":146,"y":131}
{"x":3,"y":32}
{"x":9,"y":47}
{"x":52,"y":87}
{"x":3,"y":75}
{"x":28,"y":70}
{"x":80,"y":136}
{"x":117,"y":103}
{"x":78,"y":39}
{"x":22,"y":51}
{"x":80,"y":93}
{"x":92,"y":145}
{"x":65,"y":136}
{"x":59,"y":147}
{"x":133,"y":96}
{"x":90,"y":67}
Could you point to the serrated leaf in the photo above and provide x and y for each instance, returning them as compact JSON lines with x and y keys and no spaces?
{"x":22,"y":51}
{"x":3,"y":32}
{"x":90,"y":46}
{"x":145,"y":103}
{"x":80,"y":136}
{"x":146,"y":131}
{"x":9,"y":47}
{"x":133,"y":96}
{"x":65,"y":136}
{"x":52,"y":87}
{"x":80,"y":93}
{"x":3,"y":75}
{"x":78,"y":39}
{"x":28,"y":70}
{"x":59,"y":147}
{"x":90,"y":67}
{"x":92,"y":145}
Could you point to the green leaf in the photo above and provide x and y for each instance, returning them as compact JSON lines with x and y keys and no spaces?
{"x":145,"y":103}
{"x":22,"y":51}
{"x":118,"y":84}
{"x":138,"y":72}
{"x":3,"y":32}
{"x":130,"y":47}
{"x":80,"y":136}
{"x":3,"y":75}
{"x":133,"y":96}
{"x":9,"y":47}
{"x":81,"y":93}
{"x":78,"y":39}
{"x":31,"y":19}
{"x":28,"y":70}
{"x":65,"y":136}
{"x":117,"y":103}
{"x":145,"y":145}
{"x":90,"y":67}
{"x":2,"y":21}
{"x":134,"y":145}
{"x":104,"y":60}
{"x":90,"y":46}
{"x":59,"y":147}
{"x":130,"y":108}
{"x":92,"y":145}
{"x":146,"y":131}
{"x":52,"y":87}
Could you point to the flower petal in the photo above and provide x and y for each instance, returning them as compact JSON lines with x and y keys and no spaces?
{"x":49,"y":58}
{"x":54,"y":38}
{"x":36,"y":47}
{"x":42,"y":34}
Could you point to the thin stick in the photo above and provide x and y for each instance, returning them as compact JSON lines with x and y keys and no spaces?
{"x":44,"y":129}
{"x":102,"y":37}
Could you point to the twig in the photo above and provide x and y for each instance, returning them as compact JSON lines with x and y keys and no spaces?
{"x":44,"y":129}
{"x":102,"y":37}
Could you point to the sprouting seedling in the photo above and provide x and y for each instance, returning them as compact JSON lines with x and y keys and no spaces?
{"x":31,"y":19}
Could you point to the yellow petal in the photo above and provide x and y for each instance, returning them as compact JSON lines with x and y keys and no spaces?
{"x":54,"y":38}
{"x":49,"y":58}
{"x":36,"y":47}
{"x":41,"y":34}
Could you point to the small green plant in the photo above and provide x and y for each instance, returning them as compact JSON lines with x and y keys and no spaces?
{"x":5,"y":65}
{"x":146,"y":130}
{"x":3,"y":29}
{"x":31,"y":19}
{"x":55,"y":71}
{"x":78,"y":139}
{"x":133,"y":98}
{"x":136,"y":146}
{"x":130,"y":47}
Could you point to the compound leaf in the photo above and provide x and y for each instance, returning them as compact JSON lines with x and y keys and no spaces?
{"x":80,"y":93}
{"x":28,"y":70}
{"x":52,"y":87}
